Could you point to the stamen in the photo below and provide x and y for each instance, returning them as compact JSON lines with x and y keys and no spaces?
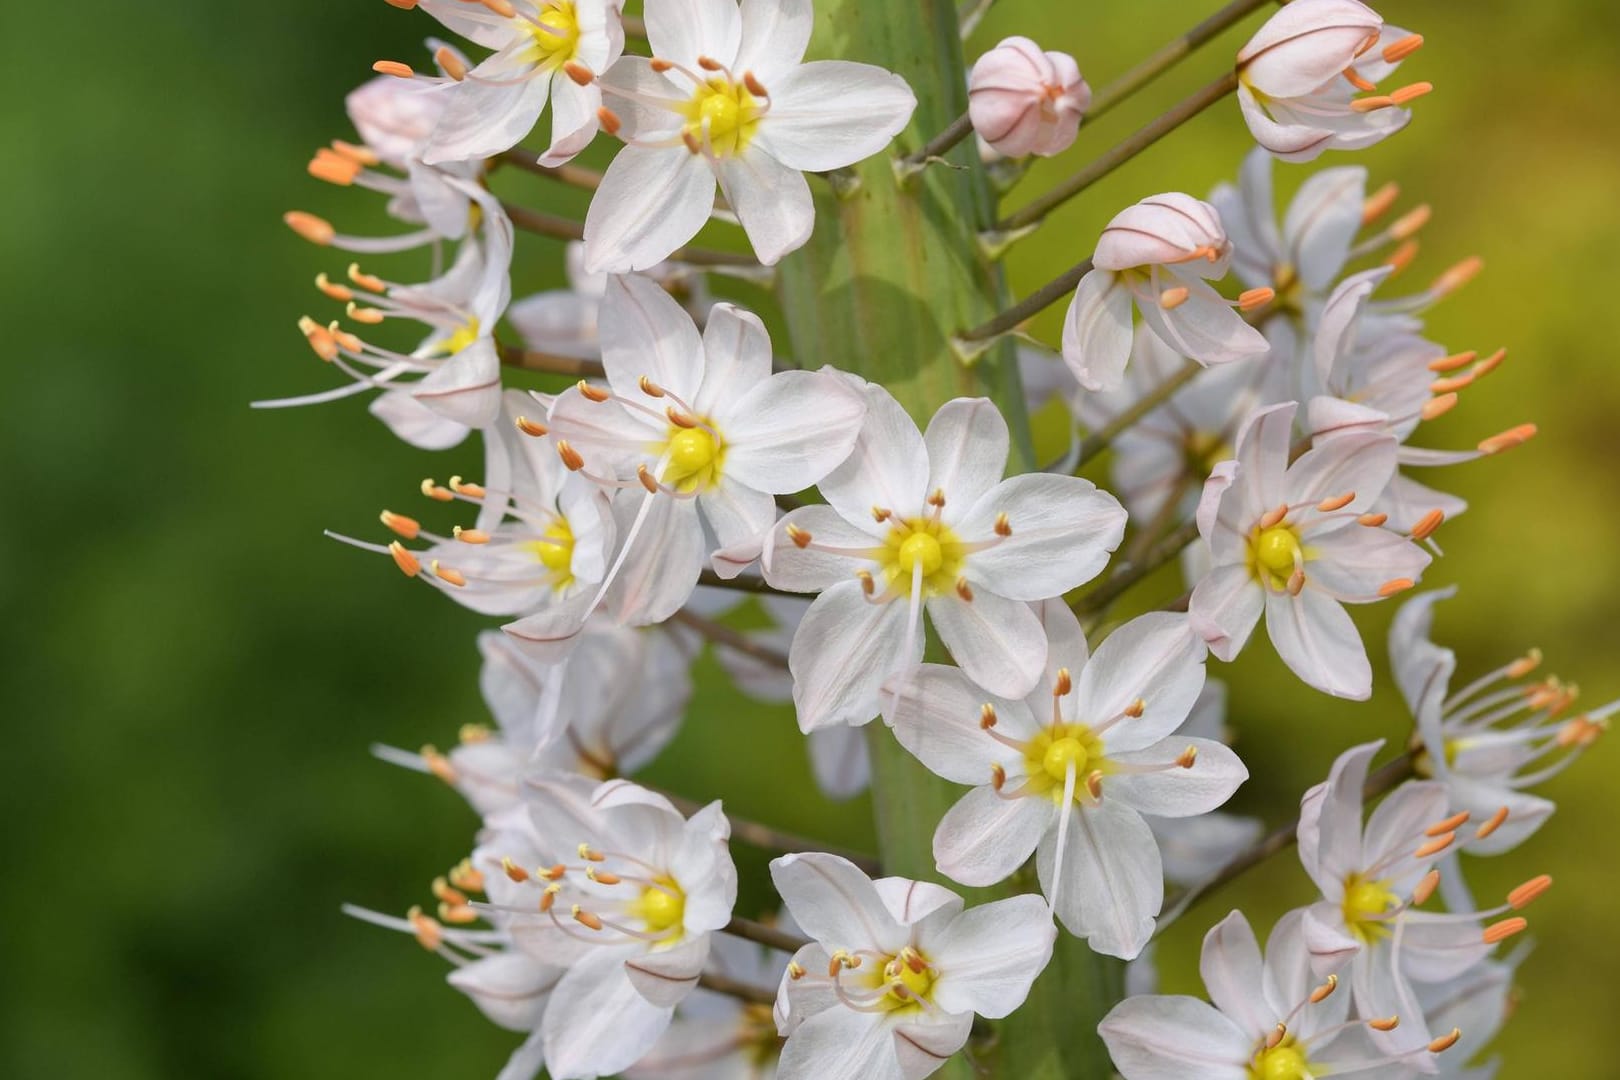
{"x":1521,"y":897}
{"x":394,"y":68}
{"x":1171,"y":299}
{"x":1397,"y":585}
{"x":1508,"y":439}
{"x":1379,"y":202}
{"x":964,"y":590}
{"x":585,"y":918}
{"x":1425,"y":888}
{"x":1389,"y":1023}
{"x":448,"y":574}
{"x":1408,"y":224}
{"x":450,"y":63}
{"x":513,"y":870}
{"x":1427,"y":524}
{"x":1271,"y":518}
{"x":470,"y":536}
{"x":406,"y":528}
{"x":316,"y":230}
{"x":1435,"y":846}
{"x":1500,"y":931}
{"x":1327,"y":506}
{"x":405,"y":559}
{"x":1436,"y":407}
{"x":987,"y":716}
{"x":1445,"y":1042}
{"x":570,"y":457}
{"x":1453,"y":362}
{"x":1320,"y":994}
{"x":1254,"y":299}
{"x":1451,"y":824}
{"x":1396,"y":52}
{"x":1492,"y":825}
{"x":1372,"y":521}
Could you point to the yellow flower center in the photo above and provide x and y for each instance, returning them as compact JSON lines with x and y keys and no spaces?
{"x":922,"y":542}
{"x":661,"y":906}
{"x":556,"y":552}
{"x":1364,"y":901}
{"x":908,"y":978}
{"x":722,"y":115}
{"x":1048,"y":755}
{"x":1273,"y":554}
{"x":555,"y":33}
{"x":1285,"y":1061}
{"x":695,"y":459}
{"x":461,"y":338}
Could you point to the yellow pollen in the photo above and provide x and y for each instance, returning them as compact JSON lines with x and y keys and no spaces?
{"x":1061,"y":755}
{"x":459,"y":340}
{"x":1285,"y":1061}
{"x":695,"y":458}
{"x":727,"y":112}
{"x":920,"y":547}
{"x":1364,"y":901}
{"x":1048,"y":754}
{"x":661,"y":906}
{"x":916,"y":985}
{"x":556,"y":38}
{"x":921,"y":542}
{"x":1273,"y":554}
{"x":556,"y":552}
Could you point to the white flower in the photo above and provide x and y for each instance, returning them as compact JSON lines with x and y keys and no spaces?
{"x":543,"y":49}
{"x":1370,"y":377}
{"x":1373,"y":878}
{"x":1304,"y":256}
{"x":1269,"y":1019}
{"x":1194,"y":848}
{"x":541,"y":535}
{"x":693,"y":431}
{"x":1024,"y":101}
{"x":1289,"y":541}
{"x":1476,"y":1003}
{"x":726,"y":98}
{"x":1494,"y":738}
{"x":915,"y":520}
{"x":1298,"y":77}
{"x":1067,"y":774}
{"x":628,"y":895}
{"x":1157,"y":255}
{"x":451,"y":384}
{"x":897,"y":970}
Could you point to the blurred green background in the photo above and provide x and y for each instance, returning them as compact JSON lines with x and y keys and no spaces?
{"x":192,"y":675}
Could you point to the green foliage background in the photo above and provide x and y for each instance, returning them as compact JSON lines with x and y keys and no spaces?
{"x":192,"y":675}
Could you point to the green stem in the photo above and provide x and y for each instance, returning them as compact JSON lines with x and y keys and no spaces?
{"x":893,"y":270}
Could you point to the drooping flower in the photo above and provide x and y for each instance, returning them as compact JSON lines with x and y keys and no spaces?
{"x":1290,"y":541}
{"x":543,"y":49}
{"x":1067,"y":774}
{"x":1025,"y":101}
{"x":726,"y":97}
{"x":1299,"y":76}
{"x":693,"y":431}
{"x":622,"y":891}
{"x":896,"y":970}
{"x":1269,"y":1018}
{"x":541,"y":536}
{"x":1494,"y":738}
{"x":1157,"y":255}
{"x":450,"y":384}
{"x":919,"y":520}
{"x":1366,"y":377}
{"x":1372,"y":880}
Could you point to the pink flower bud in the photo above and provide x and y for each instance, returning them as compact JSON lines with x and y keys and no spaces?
{"x":1024,"y":101}
{"x":1306,"y":44}
{"x":1165,"y":230}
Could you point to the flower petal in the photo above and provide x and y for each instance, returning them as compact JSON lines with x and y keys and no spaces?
{"x":682,"y":31}
{"x":1097,"y":332}
{"x":843,"y":652}
{"x":597,"y":1023}
{"x":835,"y":904}
{"x":1113,"y":886}
{"x":997,"y":642}
{"x":792,"y":429}
{"x":646,"y":333}
{"x":1176,"y":793}
{"x":1316,"y":639}
{"x":1063,"y":530}
{"x":1155,"y":660}
{"x":989,"y":956}
{"x":967,"y":443}
{"x":775,"y":34}
{"x":1224,"y":607}
{"x":1173,"y":1038}
{"x":1232,"y":970}
{"x":737,"y":360}
{"x":832,"y":113}
{"x":887,"y":468}
{"x":650,"y":202}
{"x":938,"y":721}
{"x":771,"y":200}
{"x":985,"y":838}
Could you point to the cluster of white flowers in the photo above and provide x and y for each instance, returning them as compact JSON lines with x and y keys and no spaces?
{"x":1261,"y":439}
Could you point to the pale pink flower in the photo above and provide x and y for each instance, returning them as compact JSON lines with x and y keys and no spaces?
{"x":1299,"y":76}
{"x":1289,"y":541}
{"x":450,"y":384}
{"x":896,"y":970}
{"x":726,"y":98}
{"x":1156,"y":255}
{"x":544,"y":49}
{"x":696,"y":434}
{"x":1373,"y":878}
{"x":626,"y":894}
{"x":918,"y":521}
{"x":1067,"y":774}
{"x":1494,"y":738}
{"x":1024,"y":101}
{"x":1268,"y":1017}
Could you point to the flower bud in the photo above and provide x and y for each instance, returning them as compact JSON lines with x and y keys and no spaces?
{"x":1306,"y":44}
{"x":1165,"y":230}
{"x":1024,"y":101}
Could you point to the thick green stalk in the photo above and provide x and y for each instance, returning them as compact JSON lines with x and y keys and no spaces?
{"x":892,"y":273}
